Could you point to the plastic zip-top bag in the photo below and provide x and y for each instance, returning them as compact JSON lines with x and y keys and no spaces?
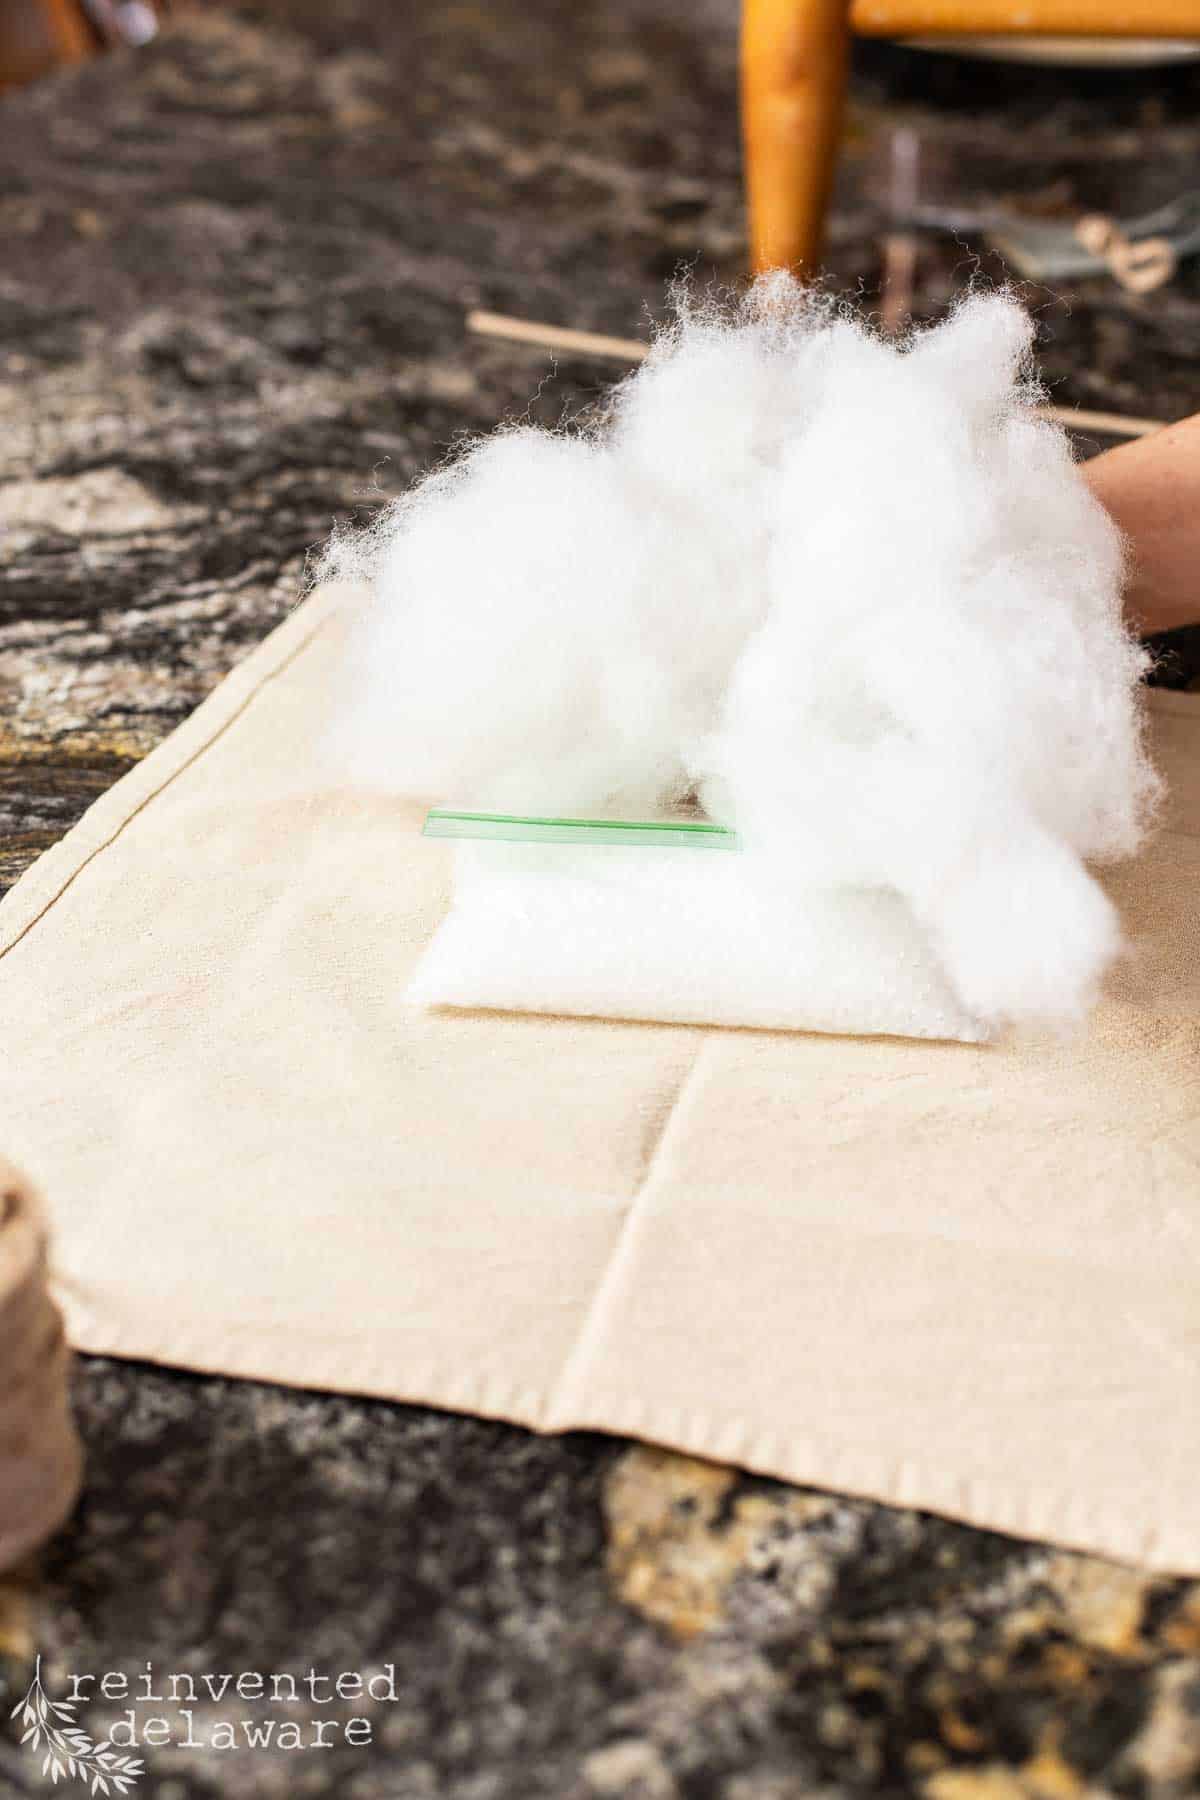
{"x":606,"y":918}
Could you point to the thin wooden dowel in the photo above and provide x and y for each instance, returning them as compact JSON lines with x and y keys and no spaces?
{"x":556,"y":337}
{"x":1112,"y":424}
{"x":632,"y":350}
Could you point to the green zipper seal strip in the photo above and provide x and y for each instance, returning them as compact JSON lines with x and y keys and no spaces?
{"x":519,"y":828}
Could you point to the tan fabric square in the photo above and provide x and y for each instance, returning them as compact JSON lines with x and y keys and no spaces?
{"x":951,"y":1276}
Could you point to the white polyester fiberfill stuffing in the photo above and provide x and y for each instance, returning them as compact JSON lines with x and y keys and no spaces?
{"x":857,"y":598}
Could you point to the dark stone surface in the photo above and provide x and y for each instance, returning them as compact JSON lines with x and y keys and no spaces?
{"x":232,"y":289}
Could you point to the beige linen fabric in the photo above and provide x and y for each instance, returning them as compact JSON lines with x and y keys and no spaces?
{"x":952,"y":1276}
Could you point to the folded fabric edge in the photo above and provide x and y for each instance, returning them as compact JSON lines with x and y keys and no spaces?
{"x":35,"y":891}
{"x":1042,"y":1516}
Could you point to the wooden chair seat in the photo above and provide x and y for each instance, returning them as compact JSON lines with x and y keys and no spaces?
{"x":794,"y":60}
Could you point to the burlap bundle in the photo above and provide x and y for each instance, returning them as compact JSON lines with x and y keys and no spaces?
{"x":40,"y":1458}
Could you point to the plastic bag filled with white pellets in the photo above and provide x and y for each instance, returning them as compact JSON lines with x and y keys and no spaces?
{"x":852,"y":599}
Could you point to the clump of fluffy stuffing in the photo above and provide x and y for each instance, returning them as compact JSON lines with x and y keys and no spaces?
{"x":856,"y":595}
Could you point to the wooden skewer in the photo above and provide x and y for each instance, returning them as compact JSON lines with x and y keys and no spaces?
{"x":556,"y":337}
{"x":632,"y":350}
{"x":1112,"y":424}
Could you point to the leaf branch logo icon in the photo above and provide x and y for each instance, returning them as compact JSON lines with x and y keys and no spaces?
{"x":69,"y":1749}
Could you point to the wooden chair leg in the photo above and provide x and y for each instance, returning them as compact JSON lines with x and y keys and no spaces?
{"x":794,"y":58}
{"x":74,"y":40}
{"x":37,"y":36}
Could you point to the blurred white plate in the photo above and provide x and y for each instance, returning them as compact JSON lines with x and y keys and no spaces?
{"x":1072,"y":52}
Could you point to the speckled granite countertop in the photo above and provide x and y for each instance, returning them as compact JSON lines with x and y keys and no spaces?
{"x":232,"y":290}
